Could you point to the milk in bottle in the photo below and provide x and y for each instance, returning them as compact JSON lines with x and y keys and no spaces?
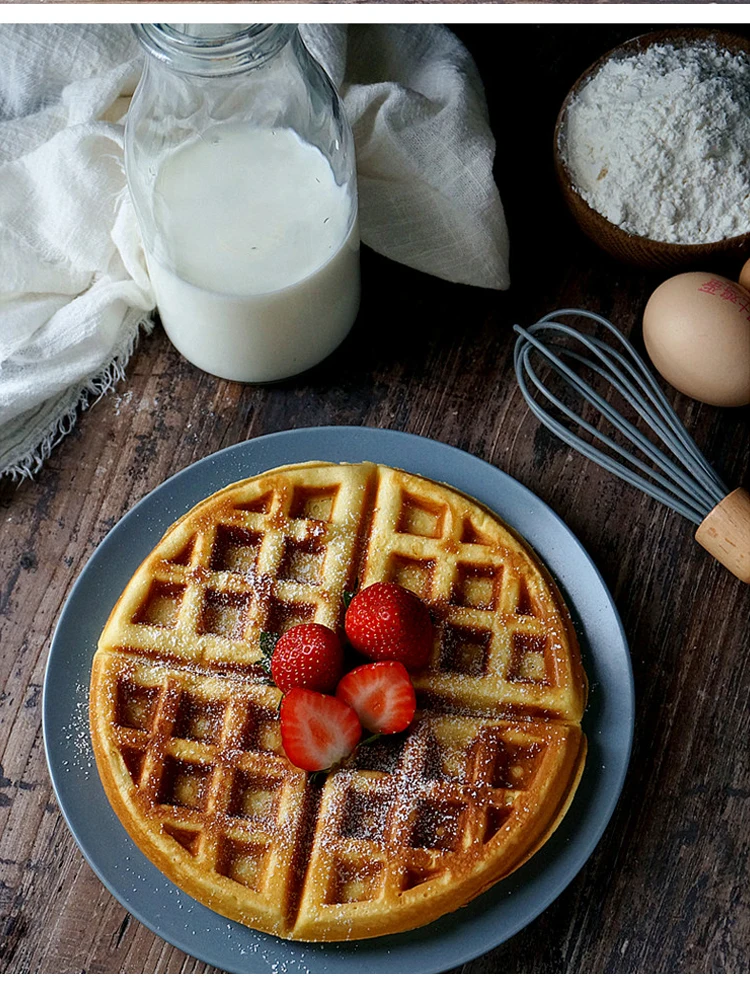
{"x":249,"y":219}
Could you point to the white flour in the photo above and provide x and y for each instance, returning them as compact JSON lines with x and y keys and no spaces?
{"x":659,"y":143}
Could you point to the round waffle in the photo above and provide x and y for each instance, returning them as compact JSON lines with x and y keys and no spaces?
{"x":185,"y":725}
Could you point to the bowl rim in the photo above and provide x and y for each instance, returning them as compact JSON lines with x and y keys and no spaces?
{"x":680,"y":36}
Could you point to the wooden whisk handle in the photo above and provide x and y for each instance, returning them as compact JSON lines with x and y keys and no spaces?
{"x":725,"y":533}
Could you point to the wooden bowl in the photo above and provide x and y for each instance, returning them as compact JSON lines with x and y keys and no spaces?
{"x":631,"y":248}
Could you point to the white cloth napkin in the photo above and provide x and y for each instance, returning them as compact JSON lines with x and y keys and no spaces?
{"x":74,"y":288}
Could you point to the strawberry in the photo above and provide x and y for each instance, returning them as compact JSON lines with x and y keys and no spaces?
{"x":317,"y":730}
{"x":381,"y":694}
{"x":387,"y":622}
{"x":309,"y":656}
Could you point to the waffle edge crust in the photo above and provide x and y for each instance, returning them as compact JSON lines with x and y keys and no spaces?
{"x":185,"y":726}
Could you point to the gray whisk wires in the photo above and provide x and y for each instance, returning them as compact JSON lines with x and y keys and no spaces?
{"x":681,"y":478}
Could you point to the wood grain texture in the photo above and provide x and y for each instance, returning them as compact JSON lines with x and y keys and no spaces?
{"x":667,"y":889}
{"x":725,"y":533}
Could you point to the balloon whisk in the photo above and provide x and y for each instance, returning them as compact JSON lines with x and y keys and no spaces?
{"x":675,"y":473}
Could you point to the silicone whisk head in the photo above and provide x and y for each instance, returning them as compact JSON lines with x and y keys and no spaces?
{"x":679,"y":476}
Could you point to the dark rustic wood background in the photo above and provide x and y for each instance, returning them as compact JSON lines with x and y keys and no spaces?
{"x":667,"y":889}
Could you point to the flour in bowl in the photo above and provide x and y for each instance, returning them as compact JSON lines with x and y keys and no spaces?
{"x":658,"y":142}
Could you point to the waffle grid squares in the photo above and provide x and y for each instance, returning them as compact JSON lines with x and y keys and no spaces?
{"x":195,"y":727}
{"x":466,"y":785}
{"x":488,"y":626}
{"x":208,"y":765}
{"x":250,"y":572}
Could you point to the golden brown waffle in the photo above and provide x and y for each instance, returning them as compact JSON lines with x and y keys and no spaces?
{"x":186,"y":733}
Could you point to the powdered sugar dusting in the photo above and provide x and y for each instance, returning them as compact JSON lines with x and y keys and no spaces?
{"x":77,"y":738}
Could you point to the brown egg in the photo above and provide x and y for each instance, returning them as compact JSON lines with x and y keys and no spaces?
{"x":744,"y":278}
{"x":696,"y":328}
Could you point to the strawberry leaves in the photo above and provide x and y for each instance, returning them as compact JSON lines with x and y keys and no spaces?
{"x":268,"y":641}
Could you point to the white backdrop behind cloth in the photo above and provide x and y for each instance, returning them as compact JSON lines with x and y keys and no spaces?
{"x":74,"y":288}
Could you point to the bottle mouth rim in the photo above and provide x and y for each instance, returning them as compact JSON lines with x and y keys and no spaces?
{"x":213,"y":53}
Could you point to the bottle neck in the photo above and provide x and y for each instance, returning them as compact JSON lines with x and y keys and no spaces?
{"x":214,"y":49}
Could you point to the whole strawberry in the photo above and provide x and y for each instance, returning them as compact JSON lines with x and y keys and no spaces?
{"x":309,"y":656}
{"x":387,"y":622}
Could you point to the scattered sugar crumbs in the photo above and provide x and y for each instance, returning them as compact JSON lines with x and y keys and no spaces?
{"x":76,"y":736}
{"x":278,"y":959}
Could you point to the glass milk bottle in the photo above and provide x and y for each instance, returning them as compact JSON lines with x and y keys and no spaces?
{"x":240,"y":164}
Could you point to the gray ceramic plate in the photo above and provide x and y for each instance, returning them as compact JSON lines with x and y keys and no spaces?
{"x":454,"y":939}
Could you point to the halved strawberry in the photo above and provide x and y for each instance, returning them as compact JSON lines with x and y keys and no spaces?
{"x":308,"y":655}
{"x":317,"y":730}
{"x":387,"y":622}
{"x":381,"y":694}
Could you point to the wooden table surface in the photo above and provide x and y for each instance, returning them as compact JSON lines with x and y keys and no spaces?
{"x":667,"y":888}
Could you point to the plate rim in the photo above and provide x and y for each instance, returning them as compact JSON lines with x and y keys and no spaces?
{"x":367,"y":948}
